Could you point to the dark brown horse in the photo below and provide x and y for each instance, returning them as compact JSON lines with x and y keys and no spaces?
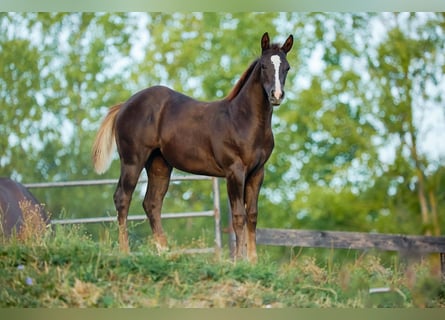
{"x":158,"y":129}
{"x":18,"y":207}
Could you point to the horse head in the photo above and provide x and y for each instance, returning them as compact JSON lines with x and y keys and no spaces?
{"x":274,"y":68}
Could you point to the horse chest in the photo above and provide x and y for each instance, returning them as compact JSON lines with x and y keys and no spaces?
{"x":259,"y":151}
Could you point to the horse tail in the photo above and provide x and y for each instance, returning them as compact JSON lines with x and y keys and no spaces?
{"x":105,"y":143}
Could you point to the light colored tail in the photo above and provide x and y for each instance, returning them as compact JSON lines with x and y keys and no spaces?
{"x":105,"y":143}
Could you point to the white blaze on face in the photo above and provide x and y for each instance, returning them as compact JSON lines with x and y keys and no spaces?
{"x":276,"y":61}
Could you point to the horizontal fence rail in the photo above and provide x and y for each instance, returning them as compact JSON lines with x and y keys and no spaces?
{"x":81,"y":183}
{"x":350,"y":240}
{"x":353,"y":240}
{"x":140,"y":217}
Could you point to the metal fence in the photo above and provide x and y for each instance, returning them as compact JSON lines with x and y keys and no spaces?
{"x":214,"y":212}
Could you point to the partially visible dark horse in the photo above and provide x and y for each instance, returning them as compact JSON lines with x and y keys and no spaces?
{"x":158,"y":129}
{"x":19,"y":207}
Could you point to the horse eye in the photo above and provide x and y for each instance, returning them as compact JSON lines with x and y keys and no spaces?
{"x":263,"y":66}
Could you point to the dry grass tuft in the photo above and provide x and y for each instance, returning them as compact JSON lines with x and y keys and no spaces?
{"x":33,"y":228}
{"x":85,"y":294}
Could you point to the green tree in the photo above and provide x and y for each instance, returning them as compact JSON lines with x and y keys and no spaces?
{"x":324,"y":155}
{"x":408,"y":71}
{"x":58,"y":71}
{"x":347,"y":110}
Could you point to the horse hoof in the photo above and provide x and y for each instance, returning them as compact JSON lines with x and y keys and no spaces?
{"x":161,"y":244}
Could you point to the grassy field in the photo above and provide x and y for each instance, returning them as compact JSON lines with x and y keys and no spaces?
{"x":66,"y":268}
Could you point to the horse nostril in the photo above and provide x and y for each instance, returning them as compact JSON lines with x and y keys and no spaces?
{"x":277,"y":94}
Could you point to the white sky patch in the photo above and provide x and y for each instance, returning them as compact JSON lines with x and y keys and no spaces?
{"x":315,"y":63}
{"x":276,"y":61}
{"x":432,"y":133}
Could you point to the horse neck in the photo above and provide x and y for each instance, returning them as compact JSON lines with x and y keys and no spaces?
{"x":251,"y":102}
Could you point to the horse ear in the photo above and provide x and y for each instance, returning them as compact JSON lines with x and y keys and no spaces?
{"x":265,"y":41}
{"x":288,"y":44}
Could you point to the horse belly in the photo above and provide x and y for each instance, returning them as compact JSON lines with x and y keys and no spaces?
{"x":191,"y":158}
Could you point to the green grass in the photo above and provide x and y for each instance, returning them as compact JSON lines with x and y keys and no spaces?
{"x":65,"y":268}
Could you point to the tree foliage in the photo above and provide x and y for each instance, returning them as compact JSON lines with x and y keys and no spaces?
{"x":355,"y":139}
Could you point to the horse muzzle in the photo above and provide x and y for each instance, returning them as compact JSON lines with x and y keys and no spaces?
{"x":276,"y":97}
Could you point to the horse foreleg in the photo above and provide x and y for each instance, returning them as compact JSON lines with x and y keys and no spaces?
{"x":235,"y":189}
{"x":253,"y":185}
{"x":158,"y":172}
{"x":122,"y":198}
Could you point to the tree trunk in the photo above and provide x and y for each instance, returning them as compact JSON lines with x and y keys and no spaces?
{"x":434,"y":216}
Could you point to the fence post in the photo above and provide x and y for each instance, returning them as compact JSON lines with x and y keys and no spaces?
{"x":442,"y":265}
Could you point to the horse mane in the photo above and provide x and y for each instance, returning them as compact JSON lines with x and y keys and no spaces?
{"x":238,"y":86}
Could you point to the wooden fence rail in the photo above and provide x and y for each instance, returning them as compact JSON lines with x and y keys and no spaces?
{"x":353,"y":240}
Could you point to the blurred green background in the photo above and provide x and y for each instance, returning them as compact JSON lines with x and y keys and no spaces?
{"x":358,"y":140}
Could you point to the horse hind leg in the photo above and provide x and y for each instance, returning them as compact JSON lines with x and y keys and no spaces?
{"x":122,"y":198}
{"x":158,"y":172}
